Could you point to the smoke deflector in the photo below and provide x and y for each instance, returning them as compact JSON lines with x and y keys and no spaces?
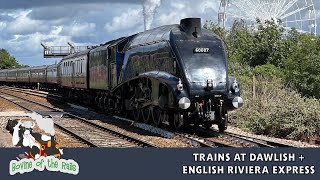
{"x":192,"y":26}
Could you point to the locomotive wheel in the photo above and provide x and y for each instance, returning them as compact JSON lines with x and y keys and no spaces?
{"x":196,"y":125}
{"x":136,"y":114}
{"x":223,"y":124}
{"x":178,"y":121}
{"x":165,"y":116}
{"x":170,"y":119}
{"x":145,"y":113}
{"x":207,"y":125}
{"x":156,"y":116}
{"x":96,"y":102}
{"x":107,"y":107}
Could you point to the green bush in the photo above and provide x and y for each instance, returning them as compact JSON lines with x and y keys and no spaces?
{"x":269,"y":71}
{"x":280,"y":101}
{"x":274,"y":110}
{"x":270,"y":50}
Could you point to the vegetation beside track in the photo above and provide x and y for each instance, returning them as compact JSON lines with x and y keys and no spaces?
{"x":279,"y":72}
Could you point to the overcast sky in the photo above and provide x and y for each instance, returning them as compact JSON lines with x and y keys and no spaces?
{"x":26,"y":23}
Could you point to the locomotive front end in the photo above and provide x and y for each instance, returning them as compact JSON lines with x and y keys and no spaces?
{"x":206,"y":91}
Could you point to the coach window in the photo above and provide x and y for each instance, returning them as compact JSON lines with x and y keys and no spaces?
{"x":81,"y":67}
{"x":77,"y":67}
{"x":147,"y":51}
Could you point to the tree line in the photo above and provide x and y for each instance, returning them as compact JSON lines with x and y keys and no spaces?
{"x":268,"y":49}
{"x":279,"y":72}
{"x":7,"y":61}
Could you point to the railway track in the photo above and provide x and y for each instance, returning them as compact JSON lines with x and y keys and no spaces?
{"x":260,"y":142}
{"x":85,"y":131}
{"x":243,"y":140}
{"x":210,"y":137}
{"x":202,"y":138}
{"x":192,"y":140}
{"x":34,"y":93}
{"x":208,"y":142}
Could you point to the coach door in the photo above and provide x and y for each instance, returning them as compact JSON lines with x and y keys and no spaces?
{"x":112,"y":69}
{"x":113,"y":75}
{"x":73,"y":76}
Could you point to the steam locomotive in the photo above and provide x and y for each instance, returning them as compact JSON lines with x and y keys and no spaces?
{"x":175,"y":74}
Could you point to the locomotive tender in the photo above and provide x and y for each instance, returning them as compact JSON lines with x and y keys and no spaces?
{"x":176,"y":74}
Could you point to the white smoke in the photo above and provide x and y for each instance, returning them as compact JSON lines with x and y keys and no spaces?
{"x":45,"y":124}
{"x":149,"y":10}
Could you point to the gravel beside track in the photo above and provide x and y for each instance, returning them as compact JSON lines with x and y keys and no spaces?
{"x":298,"y":144}
{"x":6,"y":106}
{"x":105,"y":121}
{"x":85,"y":135}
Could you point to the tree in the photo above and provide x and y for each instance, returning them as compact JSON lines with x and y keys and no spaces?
{"x":214,"y":27}
{"x":268,"y":49}
{"x":302,"y":67}
{"x":277,"y":58}
{"x":7,"y":61}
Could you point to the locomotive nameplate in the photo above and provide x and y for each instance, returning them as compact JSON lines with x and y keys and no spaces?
{"x":201,"y":50}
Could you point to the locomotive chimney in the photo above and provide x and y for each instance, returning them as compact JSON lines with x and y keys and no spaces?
{"x":191,"y":26}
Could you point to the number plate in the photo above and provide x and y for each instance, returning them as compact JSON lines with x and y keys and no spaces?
{"x":201,"y":50}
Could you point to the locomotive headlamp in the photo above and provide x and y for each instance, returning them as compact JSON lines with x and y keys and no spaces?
{"x":235,"y":86}
{"x":180,"y":86}
{"x":184,"y":103}
{"x":237,"y":102}
{"x":210,"y":84}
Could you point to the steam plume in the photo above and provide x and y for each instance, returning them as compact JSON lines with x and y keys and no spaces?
{"x":149,"y":9}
